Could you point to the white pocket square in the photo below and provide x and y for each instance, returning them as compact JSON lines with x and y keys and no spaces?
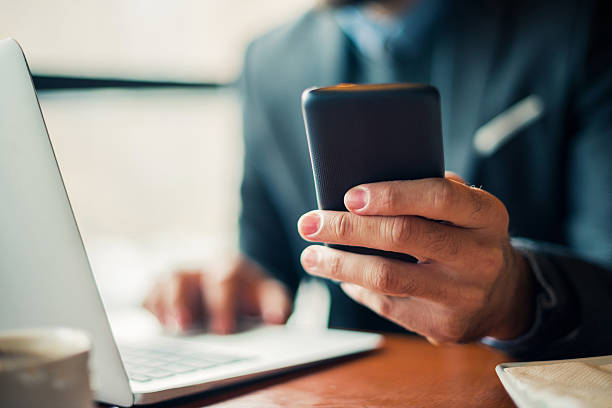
{"x":490,"y":136}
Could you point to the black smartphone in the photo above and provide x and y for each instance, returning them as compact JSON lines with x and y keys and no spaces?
{"x":368,"y":133}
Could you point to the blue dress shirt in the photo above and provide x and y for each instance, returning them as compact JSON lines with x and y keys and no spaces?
{"x":404,"y":34}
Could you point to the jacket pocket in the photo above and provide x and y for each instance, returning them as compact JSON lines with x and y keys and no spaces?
{"x":499,"y":130}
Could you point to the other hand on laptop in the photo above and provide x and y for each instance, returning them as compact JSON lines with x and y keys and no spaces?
{"x":218,"y":296}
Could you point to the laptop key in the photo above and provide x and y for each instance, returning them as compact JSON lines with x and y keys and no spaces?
{"x":156,"y":362}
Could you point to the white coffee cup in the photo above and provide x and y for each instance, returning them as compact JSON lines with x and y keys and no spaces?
{"x":45,"y":368}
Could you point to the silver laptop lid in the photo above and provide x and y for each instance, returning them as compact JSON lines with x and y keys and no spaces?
{"x":45,"y":278}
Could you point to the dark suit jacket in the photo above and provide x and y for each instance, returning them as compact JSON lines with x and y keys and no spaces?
{"x":554,"y":174}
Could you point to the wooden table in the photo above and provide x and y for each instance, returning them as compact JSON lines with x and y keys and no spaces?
{"x":406,"y":372}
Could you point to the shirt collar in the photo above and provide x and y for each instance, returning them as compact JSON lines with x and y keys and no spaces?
{"x":404,"y":34}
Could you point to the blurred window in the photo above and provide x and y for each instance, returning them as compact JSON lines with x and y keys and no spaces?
{"x":162,"y":40}
{"x":152,"y":171}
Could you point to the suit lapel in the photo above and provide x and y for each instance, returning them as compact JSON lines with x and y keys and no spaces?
{"x":321,"y":61}
{"x":329,"y":52}
{"x":461,"y":64}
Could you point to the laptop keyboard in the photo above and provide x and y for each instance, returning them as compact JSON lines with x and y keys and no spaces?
{"x":152,"y":362}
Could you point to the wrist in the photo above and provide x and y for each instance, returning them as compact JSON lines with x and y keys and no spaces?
{"x":518,"y":297}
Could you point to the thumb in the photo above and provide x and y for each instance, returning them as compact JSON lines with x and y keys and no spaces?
{"x":273,"y":300}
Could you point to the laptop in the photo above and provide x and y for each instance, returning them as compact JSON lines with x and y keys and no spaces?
{"x":46,"y":280}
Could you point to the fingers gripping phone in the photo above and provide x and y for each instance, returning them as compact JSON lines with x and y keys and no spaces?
{"x":361,"y":134}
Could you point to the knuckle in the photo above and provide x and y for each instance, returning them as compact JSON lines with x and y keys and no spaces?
{"x":492,"y":261}
{"x":479,"y":300}
{"x":453,"y":246}
{"x":441,"y":242}
{"x":384,"y":306}
{"x":489,"y":205}
{"x":473,"y":299}
{"x":384,"y":278}
{"x":479,"y":202}
{"x":504,"y":217}
{"x":442,"y":292}
{"x":442,"y":195}
{"x":342,"y":226}
{"x":388,"y":196}
{"x":409,"y":287}
{"x":453,"y":329}
{"x":400,"y":230}
{"x":334,"y":267}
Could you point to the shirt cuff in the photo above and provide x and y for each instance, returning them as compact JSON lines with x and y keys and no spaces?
{"x":555,"y":319}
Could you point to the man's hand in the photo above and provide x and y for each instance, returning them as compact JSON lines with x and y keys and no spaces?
{"x":218,"y":296}
{"x":468,"y":283}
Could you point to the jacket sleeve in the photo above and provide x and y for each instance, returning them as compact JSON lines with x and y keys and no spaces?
{"x":574,"y":304}
{"x":262,"y":235}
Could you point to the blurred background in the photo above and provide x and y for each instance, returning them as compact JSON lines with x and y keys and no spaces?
{"x":141,"y":107}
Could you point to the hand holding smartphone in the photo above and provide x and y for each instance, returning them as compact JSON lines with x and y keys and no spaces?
{"x":360,"y":134}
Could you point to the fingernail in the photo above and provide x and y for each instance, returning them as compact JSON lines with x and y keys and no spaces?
{"x":309,"y":224}
{"x":356,"y":199}
{"x":310,"y":257}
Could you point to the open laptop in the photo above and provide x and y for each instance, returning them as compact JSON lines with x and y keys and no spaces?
{"x":45,"y":279}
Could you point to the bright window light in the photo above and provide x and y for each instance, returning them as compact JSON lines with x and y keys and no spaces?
{"x":167,"y":40}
